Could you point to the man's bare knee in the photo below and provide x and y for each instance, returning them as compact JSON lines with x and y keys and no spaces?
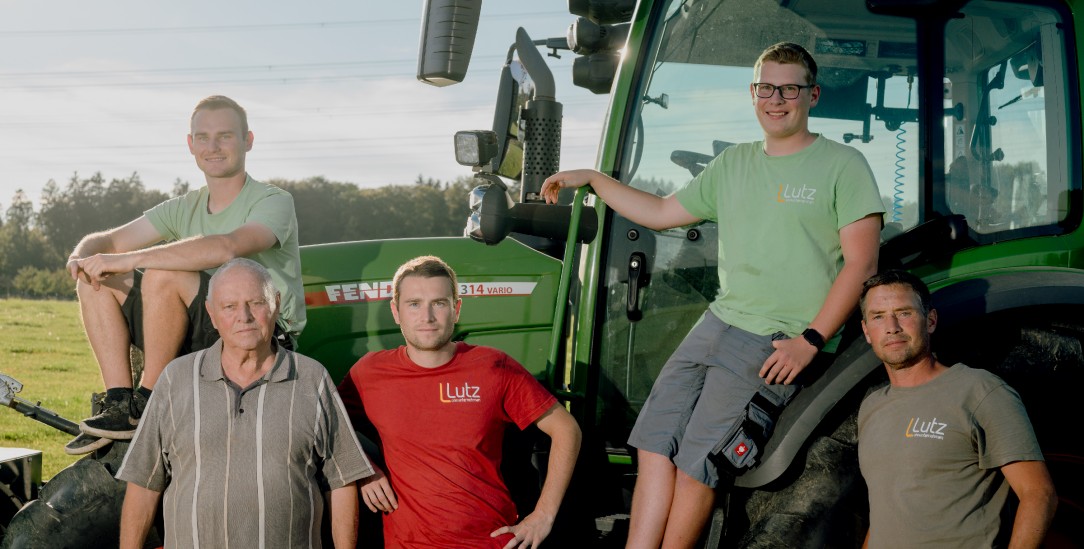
{"x":115,"y":288}
{"x":160,"y":283}
{"x":85,"y":292}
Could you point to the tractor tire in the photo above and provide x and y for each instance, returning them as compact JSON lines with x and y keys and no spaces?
{"x":79,"y":508}
{"x":824,"y":507}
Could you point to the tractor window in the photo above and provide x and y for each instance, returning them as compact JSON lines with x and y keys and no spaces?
{"x":1006,"y":132}
{"x":695,"y":101}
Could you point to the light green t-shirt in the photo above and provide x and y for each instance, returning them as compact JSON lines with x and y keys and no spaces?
{"x":779,"y":219}
{"x":931,"y":456}
{"x":186,"y":216}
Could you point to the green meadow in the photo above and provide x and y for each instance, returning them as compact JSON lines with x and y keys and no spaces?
{"x":43,"y":346}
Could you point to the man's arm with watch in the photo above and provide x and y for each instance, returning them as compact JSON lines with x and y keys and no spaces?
{"x":860,"y":242}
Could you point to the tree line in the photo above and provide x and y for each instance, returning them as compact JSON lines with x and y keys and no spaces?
{"x":35,"y":244}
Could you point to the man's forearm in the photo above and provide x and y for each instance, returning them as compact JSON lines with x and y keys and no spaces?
{"x":628,"y":201}
{"x":1033,"y":517}
{"x":95,"y":243}
{"x":133,"y":246}
{"x":647,"y":209}
{"x":137,"y":515}
{"x":344,"y":516}
{"x":564,"y":448}
{"x":191,"y":254}
{"x":199,"y":253}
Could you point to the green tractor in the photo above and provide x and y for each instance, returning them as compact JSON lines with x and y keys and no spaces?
{"x":969,"y":113}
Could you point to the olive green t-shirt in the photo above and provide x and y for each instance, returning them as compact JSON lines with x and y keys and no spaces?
{"x":779,"y":219}
{"x":186,"y":216}
{"x":931,"y":457}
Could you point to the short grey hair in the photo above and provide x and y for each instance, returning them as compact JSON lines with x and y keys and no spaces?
{"x":267,"y":284}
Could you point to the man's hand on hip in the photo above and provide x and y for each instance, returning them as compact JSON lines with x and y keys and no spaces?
{"x":529,"y":532}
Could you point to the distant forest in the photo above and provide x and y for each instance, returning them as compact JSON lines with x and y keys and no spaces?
{"x":34,"y":243}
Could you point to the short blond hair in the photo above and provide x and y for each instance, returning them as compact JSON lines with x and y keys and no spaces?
{"x":219,"y":102}
{"x":788,"y":53}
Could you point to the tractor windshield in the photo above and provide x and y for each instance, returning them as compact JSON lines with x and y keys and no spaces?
{"x":1004,"y":164}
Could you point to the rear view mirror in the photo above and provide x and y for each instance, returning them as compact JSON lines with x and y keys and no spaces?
{"x":447,"y":40}
{"x":493,"y":216}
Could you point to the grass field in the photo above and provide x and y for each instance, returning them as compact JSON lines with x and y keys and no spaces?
{"x":43,"y":346}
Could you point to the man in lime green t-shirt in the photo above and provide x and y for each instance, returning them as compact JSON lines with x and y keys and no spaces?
{"x":799,"y":227}
{"x":145,"y":283}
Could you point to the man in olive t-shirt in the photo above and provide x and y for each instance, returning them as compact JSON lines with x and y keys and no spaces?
{"x":144,"y":283}
{"x":941,"y":447}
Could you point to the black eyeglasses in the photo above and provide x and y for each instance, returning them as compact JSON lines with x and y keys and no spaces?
{"x":788,"y":91}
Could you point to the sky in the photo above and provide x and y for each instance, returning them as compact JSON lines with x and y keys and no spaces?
{"x":329,"y":86}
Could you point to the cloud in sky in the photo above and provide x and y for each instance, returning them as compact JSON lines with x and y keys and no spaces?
{"x":329,"y":86}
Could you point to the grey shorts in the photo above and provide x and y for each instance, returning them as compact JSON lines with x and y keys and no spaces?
{"x":701,"y":392}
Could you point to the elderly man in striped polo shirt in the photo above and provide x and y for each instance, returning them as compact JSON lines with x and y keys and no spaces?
{"x":245,"y":439}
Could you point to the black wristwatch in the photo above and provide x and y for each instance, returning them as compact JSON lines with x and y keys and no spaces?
{"x":814,"y":338}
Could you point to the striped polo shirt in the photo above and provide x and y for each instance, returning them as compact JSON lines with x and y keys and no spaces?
{"x":244,"y":467}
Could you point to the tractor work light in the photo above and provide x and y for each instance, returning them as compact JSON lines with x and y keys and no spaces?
{"x":475,"y":148}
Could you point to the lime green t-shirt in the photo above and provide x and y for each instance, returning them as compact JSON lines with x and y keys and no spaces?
{"x":186,"y":216}
{"x":779,"y":219}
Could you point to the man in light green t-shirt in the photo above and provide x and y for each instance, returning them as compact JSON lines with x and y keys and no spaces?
{"x":799,"y":227}
{"x":941,"y":447}
{"x":145,"y":283}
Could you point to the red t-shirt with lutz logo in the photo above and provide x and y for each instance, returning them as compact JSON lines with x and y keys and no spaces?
{"x":441,"y":431}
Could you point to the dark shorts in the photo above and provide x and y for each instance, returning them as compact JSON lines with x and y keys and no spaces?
{"x":201,"y":333}
{"x":701,"y":392}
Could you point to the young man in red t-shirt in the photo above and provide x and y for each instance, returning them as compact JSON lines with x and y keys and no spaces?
{"x":441,"y":408}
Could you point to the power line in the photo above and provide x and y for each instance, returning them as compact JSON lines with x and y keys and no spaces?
{"x":182,"y":70}
{"x":237,"y":68}
{"x":317,"y":25}
{"x":18,"y":80}
{"x":33,"y":119}
{"x":217,"y":81}
{"x":399,"y":141}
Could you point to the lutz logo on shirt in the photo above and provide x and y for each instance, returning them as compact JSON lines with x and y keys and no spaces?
{"x":925,"y":429}
{"x":801,"y":195}
{"x":460,"y":393}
